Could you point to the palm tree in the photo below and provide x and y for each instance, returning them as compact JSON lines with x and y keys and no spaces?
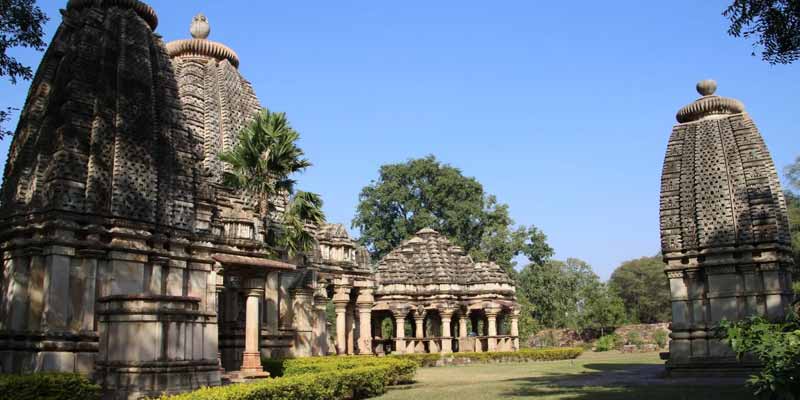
{"x":261,"y":163}
{"x":264,"y":157}
{"x":303,"y":214}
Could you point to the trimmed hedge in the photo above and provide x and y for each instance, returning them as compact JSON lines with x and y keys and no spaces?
{"x":332,"y":379}
{"x":522,"y":355}
{"x":49,"y":386}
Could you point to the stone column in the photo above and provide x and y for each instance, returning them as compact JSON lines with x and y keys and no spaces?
{"x":515,"y":330}
{"x":400,"y":330}
{"x":447,"y":340}
{"x":340,"y":300}
{"x":350,"y":326}
{"x":364,"y":303}
{"x":320,"y":347}
{"x":491,"y":320}
{"x":251,"y":359}
{"x":301,"y":310}
{"x":419,"y":322}
{"x":271,"y":302}
{"x":462,"y":326}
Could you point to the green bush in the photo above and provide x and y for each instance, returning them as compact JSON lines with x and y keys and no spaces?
{"x":618,"y":341}
{"x":777,"y":346}
{"x":335,"y":378}
{"x":430,"y":360}
{"x":634,"y":338}
{"x":660,"y":337}
{"x":422,"y":359}
{"x":47,"y":386}
{"x":606,"y":343}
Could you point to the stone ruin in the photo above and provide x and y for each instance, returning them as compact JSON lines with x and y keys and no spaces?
{"x":125,"y":259}
{"x":724,"y":231}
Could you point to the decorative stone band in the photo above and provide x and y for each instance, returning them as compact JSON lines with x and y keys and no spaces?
{"x":202,"y":48}
{"x":145,"y":11}
{"x":707,"y":106}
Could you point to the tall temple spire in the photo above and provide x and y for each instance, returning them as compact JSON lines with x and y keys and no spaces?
{"x":724,"y":230}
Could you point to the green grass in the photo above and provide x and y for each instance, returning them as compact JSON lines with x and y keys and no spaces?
{"x":593,"y":376}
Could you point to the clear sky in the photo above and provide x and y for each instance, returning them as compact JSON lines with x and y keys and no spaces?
{"x":561,"y":109}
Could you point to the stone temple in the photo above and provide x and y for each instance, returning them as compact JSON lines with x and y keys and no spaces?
{"x":724,"y":231}
{"x":124,"y":258}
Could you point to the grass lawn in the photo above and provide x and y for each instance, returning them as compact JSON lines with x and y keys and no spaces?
{"x":593,"y":376}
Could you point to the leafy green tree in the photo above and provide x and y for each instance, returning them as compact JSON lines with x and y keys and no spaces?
{"x":644,"y":289}
{"x":557,"y":291}
{"x":261,"y":164}
{"x":793,"y":208}
{"x":793,"y":174}
{"x":423,"y":193}
{"x":774,"y":24}
{"x":777,"y":347}
{"x":603,"y":308}
{"x":21,"y":25}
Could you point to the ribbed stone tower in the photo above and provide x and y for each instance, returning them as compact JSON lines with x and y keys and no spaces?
{"x":101,"y":273}
{"x":724,"y":230}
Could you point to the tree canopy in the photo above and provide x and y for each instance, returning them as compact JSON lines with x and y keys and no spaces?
{"x":21,"y":25}
{"x":644,"y":289}
{"x":424,"y":193}
{"x":567,"y":294}
{"x":261,"y":164}
{"x":793,"y":207}
{"x":773,"y":24}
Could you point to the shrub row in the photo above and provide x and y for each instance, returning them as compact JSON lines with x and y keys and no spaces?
{"x":554,"y":354}
{"x":331,"y":380}
{"x":47,"y":386}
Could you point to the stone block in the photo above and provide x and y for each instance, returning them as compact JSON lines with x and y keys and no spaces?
{"x":52,"y":361}
{"x":84,"y":363}
{"x":56,"y":304}
{"x":127,"y":277}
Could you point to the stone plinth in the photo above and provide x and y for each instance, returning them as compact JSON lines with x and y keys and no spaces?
{"x":153,"y":344}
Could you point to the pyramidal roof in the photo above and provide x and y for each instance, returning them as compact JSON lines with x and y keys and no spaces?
{"x":430,"y":258}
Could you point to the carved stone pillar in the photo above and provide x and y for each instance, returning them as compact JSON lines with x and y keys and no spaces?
{"x":364,"y":303}
{"x":350,"y":326}
{"x":419,"y":324}
{"x":251,"y":359}
{"x":271,"y":294}
{"x":320,"y":347}
{"x":400,"y":327}
{"x":301,"y":310}
{"x":340,"y":301}
{"x":447,"y":340}
{"x":462,"y":326}
{"x":491,"y":319}
{"x":419,"y":331}
{"x":515,"y":329}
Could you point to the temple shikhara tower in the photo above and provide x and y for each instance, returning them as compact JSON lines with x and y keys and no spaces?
{"x":724,"y":231}
{"x":126,"y":259}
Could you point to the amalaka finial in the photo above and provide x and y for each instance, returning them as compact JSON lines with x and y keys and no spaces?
{"x":707,"y":87}
{"x":200,"y":29}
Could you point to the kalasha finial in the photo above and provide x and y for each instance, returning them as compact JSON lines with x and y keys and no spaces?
{"x":707,"y":87}
{"x":200,"y":29}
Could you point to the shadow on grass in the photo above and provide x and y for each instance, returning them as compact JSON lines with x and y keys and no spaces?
{"x":627,"y":381}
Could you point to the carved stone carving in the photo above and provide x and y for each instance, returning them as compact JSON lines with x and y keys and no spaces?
{"x":723,"y":216}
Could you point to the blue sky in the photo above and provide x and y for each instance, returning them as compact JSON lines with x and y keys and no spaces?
{"x":561,"y":109}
